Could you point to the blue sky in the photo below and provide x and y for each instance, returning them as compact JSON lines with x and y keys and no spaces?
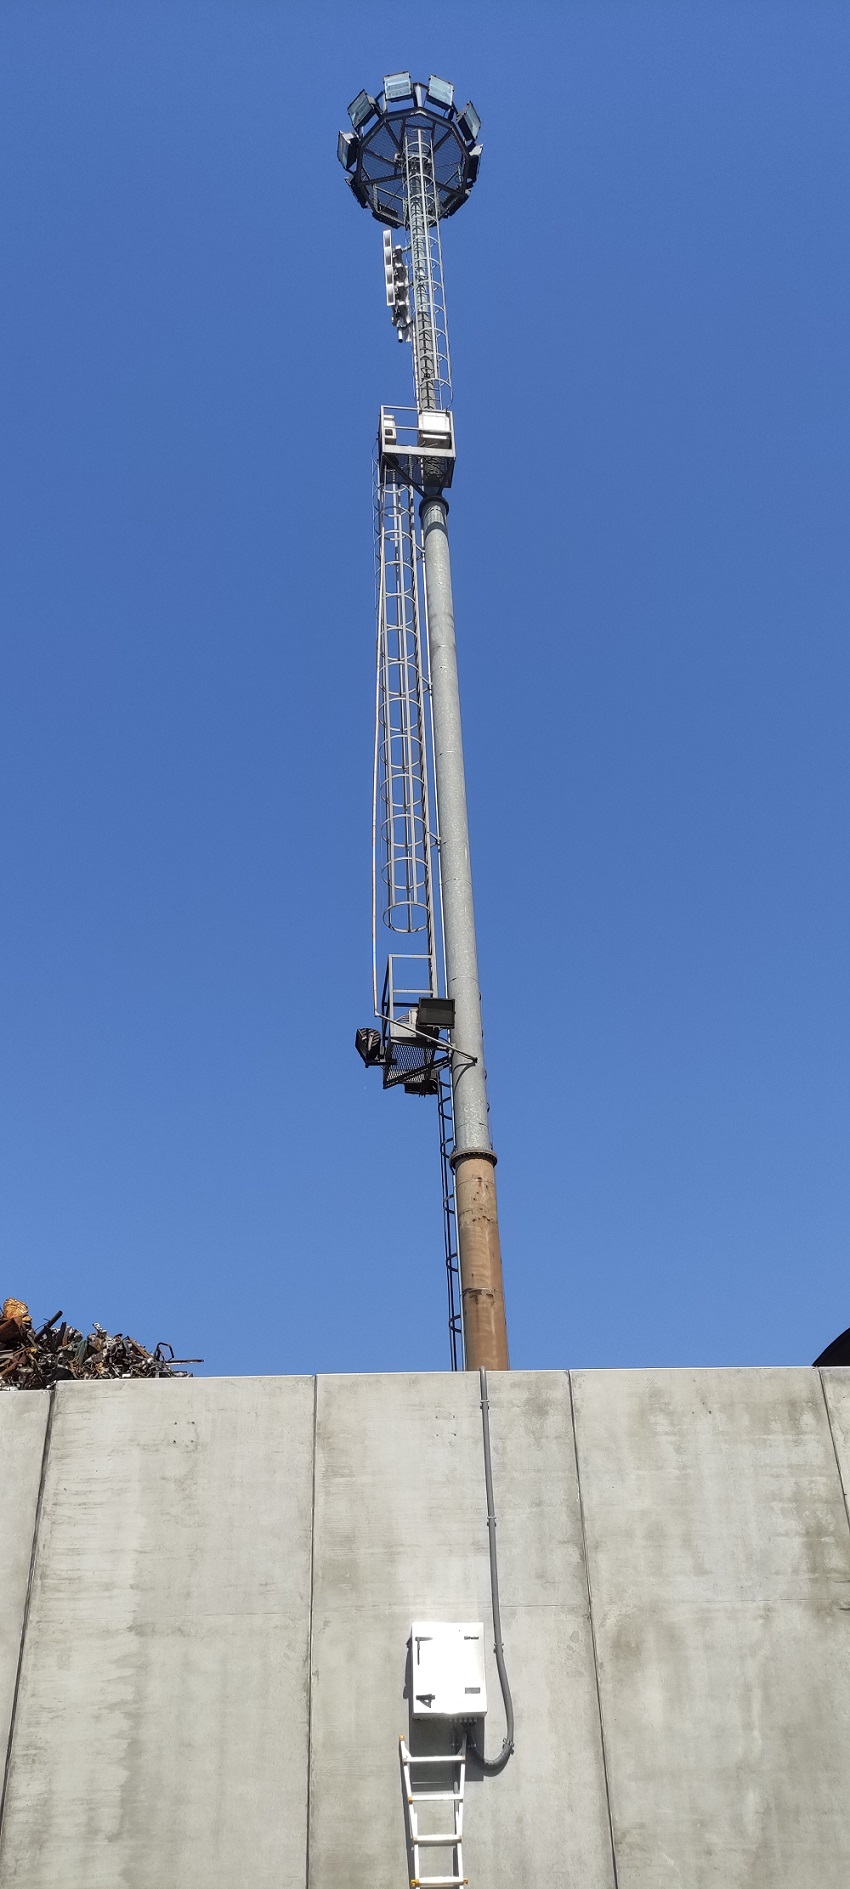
{"x":649,"y":300}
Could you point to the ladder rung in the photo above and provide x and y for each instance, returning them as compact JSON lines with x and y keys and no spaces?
{"x":436,"y":1797}
{"x":446,"y":1757}
{"x":437,"y":1882}
{"x":445,"y":1841}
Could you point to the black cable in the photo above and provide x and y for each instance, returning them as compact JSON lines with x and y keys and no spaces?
{"x":492,"y":1765}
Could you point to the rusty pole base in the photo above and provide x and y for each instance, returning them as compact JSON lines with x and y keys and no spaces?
{"x":485,"y":1332}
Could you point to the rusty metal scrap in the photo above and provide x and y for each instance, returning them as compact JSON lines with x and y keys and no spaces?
{"x":33,"y":1359}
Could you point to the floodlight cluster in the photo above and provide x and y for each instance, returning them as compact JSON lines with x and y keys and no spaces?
{"x":372,"y":153}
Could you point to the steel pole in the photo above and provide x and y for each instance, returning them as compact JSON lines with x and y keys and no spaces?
{"x":482,"y":1294}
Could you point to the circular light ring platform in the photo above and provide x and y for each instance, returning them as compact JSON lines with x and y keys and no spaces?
{"x":373,"y":153}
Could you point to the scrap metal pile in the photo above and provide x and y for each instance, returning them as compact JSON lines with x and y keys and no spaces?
{"x":33,"y":1359}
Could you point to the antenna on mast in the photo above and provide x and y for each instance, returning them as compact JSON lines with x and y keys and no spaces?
{"x":412,"y":158}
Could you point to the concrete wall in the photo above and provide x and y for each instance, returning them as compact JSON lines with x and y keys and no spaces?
{"x":206,"y":1589}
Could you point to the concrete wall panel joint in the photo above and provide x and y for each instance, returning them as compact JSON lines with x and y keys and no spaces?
{"x":585,"y":1556}
{"x":45,"y":1452}
{"x":834,"y":1442}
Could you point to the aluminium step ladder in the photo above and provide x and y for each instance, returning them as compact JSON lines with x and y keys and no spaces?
{"x":455,"y":1763}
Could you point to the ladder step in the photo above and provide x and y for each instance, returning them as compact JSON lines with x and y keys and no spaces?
{"x":442,"y":1757}
{"x":437,"y":1882}
{"x":436,"y":1797}
{"x":445,"y":1841}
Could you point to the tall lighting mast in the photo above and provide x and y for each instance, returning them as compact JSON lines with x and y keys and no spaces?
{"x":412,"y":158}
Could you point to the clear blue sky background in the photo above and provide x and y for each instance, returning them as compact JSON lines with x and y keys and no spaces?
{"x":650,"y":306}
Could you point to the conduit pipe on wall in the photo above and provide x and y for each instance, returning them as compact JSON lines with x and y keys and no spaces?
{"x":493,"y":1765}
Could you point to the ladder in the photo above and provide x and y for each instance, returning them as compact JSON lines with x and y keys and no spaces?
{"x":455,"y":1763}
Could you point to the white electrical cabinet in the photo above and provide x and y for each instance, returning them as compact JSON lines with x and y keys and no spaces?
{"x":447,"y":1669}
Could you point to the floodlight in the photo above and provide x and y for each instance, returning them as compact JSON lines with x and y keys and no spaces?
{"x":441,"y":91}
{"x":397,"y":85}
{"x":435,"y":1013}
{"x":346,"y":148}
{"x":469,"y":122}
{"x":361,"y":108}
{"x":368,"y":1045}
